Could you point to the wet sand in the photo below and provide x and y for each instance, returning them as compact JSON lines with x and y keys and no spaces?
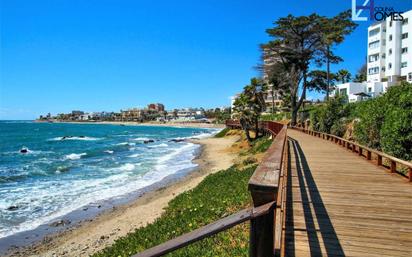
{"x":95,"y":234}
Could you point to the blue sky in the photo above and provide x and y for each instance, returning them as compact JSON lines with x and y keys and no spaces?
{"x":95,"y":55}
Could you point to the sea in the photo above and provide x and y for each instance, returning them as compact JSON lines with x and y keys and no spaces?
{"x":66,"y":166}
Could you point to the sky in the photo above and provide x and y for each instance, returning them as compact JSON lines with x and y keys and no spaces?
{"x":106,"y":55}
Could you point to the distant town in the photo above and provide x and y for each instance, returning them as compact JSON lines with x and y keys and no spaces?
{"x":153,"y":112}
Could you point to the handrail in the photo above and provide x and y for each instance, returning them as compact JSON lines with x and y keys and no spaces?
{"x":358,"y":148}
{"x":208,"y":230}
{"x":267,"y":186}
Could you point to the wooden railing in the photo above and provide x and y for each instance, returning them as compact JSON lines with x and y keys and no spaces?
{"x":363,"y":151}
{"x":268,"y":190}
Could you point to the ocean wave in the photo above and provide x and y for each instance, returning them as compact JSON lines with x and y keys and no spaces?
{"x":135,"y":155}
{"x":84,"y":138}
{"x":61,"y":169}
{"x":127,"y":143}
{"x":210,"y":133}
{"x":142,"y":139}
{"x":109,"y":151}
{"x":58,"y":197}
{"x":74,"y":156}
{"x":159,"y":145}
{"x":126,"y":167}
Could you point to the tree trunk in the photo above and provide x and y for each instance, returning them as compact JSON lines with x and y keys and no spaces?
{"x":327,"y":72}
{"x":256,"y":128}
{"x":295,"y":104}
{"x":249,"y":139}
{"x":294,"y":110}
{"x":294,"y":116}
{"x":245,"y":128}
{"x":273,"y":101}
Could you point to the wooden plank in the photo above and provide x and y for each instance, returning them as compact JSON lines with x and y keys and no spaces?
{"x":340,"y":203}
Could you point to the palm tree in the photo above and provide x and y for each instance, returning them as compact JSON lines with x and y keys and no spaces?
{"x":343,"y":75}
{"x":249,"y":105}
{"x":243,"y":114}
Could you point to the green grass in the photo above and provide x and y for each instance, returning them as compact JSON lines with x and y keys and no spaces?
{"x":275,"y":116}
{"x":217,"y":196}
{"x":222,"y":133}
{"x":259,"y":145}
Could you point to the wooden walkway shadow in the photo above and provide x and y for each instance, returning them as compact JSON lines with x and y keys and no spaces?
{"x":341,"y":205}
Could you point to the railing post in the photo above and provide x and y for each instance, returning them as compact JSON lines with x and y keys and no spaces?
{"x":262,"y":235}
{"x":379,"y":160}
{"x":360,"y":151}
{"x":369,"y":155}
{"x":393,"y":166}
{"x":410,"y":174}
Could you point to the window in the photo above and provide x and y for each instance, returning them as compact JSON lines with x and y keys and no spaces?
{"x":404,"y":64}
{"x":390,"y":37}
{"x":410,"y":76}
{"x":373,"y":58}
{"x":374,"y":44}
{"x":383,"y":68}
{"x":343,"y":91}
{"x":404,"y":35}
{"x":390,"y":51}
{"x":374,"y":70}
{"x":405,"y":21}
{"x":390,"y":66}
{"x":369,"y":89}
{"x":374,"y":32}
{"x":404,"y":50}
{"x":383,"y":56}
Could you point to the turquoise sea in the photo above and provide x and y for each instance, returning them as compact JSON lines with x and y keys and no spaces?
{"x":70,"y":165}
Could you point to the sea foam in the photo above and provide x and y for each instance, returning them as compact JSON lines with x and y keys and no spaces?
{"x":74,"y":156}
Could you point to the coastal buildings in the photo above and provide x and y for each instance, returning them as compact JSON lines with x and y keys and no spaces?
{"x":156,"y":107}
{"x":133,"y":114}
{"x":186,"y":114}
{"x":389,"y":59}
{"x":153,"y":112}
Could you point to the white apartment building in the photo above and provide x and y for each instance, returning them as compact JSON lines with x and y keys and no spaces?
{"x":389,"y":59}
{"x":390,"y":50}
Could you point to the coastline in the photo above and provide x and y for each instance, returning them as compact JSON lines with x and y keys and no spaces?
{"x":92,"y":235}
{"x":159,"y":124}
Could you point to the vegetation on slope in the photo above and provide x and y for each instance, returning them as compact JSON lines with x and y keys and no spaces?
{"x":217,"y":196}
{"x":383,"y":123}
{"x":222,"y":133}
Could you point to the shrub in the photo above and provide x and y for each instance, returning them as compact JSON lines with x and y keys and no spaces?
{"x":324,"y":117}
{"x":275,"y":116}
{"x":396,"y":131}
{"x":371,"y":115}
{"x":339,"y":127}
{"x":383,"y":123}
{"x":249,"y":160}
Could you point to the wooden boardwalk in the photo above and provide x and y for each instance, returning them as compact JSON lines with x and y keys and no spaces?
{"x":339,"y":204}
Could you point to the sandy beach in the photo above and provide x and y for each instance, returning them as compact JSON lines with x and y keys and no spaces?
{"x":93,"y":235}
